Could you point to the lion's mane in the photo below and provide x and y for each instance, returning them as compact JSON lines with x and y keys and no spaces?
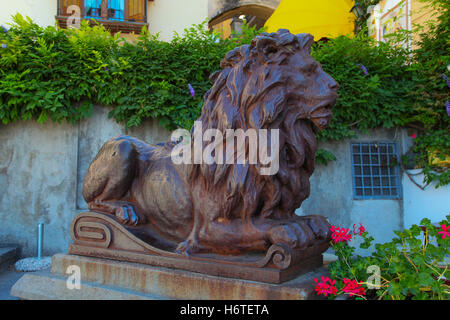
{"x":253,"y":92}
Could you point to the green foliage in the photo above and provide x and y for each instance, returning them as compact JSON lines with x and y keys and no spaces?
{"x":53,"y":74}
{"x":46,"y":71}
{"x":379,"y":98}
{"x":324,"y":156}
{"x":412,"y":265}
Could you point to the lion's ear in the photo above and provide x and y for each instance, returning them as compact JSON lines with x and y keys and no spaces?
{"x":214,"y":75}
{"x":266,"y":47}
{"x":306,"y":40}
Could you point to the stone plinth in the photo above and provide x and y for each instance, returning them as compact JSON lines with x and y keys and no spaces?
{"x":108,"y":279}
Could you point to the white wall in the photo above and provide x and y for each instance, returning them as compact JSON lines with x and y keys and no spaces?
{"x":41,"y":11}
{"x":167,"y":16}
{"x":430,"y":203}
{"x":164,"y":16}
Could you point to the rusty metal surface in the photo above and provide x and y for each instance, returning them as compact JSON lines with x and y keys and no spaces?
{"x":221,"y":214}
{"x":179,"y":284}
{"x":98,"y":235}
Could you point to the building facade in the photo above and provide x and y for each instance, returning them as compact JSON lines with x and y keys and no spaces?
{"x":389,"y":16}
{"x":163,"y":17}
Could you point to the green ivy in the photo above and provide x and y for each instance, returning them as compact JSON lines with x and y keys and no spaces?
{"x":45,"y":71}
{"x":375,"y":85}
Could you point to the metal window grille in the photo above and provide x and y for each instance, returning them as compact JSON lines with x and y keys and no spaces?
{"x":93,"y":8}
{"x":116,"y":9}
{"x":375,"y":173}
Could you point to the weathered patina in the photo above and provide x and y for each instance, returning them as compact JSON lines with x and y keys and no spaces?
{"x":201,"y":217}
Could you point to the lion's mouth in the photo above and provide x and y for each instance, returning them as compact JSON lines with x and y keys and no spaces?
{"x":321,"y":114}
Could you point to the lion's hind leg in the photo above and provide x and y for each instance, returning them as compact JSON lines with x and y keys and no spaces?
{"x":109,"y":178}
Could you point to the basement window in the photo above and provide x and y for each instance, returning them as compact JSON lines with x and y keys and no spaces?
{"x":376,"y":174}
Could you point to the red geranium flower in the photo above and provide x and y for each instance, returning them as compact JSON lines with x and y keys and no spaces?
{"x":353,"y":288}
{"x":340,"y":234}
{"x":326,"y":287}
{"x":360,"y":230}
{"x":445,"y":232}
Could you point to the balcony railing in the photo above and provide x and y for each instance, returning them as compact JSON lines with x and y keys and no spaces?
{"x":116,"y":15}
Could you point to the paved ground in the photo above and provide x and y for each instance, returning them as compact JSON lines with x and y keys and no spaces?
{"x":7,"y":279}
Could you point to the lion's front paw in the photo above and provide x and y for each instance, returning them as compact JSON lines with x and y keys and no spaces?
{"x":319,"y":225}
{"x":127,"y":215}
{"x":296,"y":234}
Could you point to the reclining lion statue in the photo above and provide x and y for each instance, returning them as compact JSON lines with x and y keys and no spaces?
{"x":273,"y":83}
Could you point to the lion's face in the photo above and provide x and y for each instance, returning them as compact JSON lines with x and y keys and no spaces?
{"x":310,"y":88}
{"x":270,"y":79}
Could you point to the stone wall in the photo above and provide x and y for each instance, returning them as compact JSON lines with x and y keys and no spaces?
{"x":41,"y":171}
{"x":42,"y":168}
{"x":332,"y":190}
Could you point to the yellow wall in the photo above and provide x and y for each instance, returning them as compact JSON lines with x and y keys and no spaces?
{"x":324,"y":18}
{"x":420,"y":13}
{"x":224,"y":28}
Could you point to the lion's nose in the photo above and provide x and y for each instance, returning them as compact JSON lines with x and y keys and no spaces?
{"x":332,"y":84}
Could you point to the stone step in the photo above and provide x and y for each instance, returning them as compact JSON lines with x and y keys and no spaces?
{"x":107,"y":279}
{"x":8,"y":255}
{"x":43,"y":285}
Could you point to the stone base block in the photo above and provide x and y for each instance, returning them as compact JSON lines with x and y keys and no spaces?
{"x":8,"y":255}
{"x":108,"y":279}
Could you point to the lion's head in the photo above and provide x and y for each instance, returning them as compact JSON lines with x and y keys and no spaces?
{"x":273,"y":83}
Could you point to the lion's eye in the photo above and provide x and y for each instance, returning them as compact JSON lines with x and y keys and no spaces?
{"x":285,"y":61}
{"x":312,"y":68}
{"x":270,"y":50}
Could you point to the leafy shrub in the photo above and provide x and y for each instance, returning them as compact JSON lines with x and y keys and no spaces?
{"x":412,"y":265}
{"x":45,"y":71}
{"x":374,"y":85}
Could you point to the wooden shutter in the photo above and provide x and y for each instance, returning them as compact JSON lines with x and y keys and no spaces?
{"x":135,"y":10}
{"x":65,"y":4}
